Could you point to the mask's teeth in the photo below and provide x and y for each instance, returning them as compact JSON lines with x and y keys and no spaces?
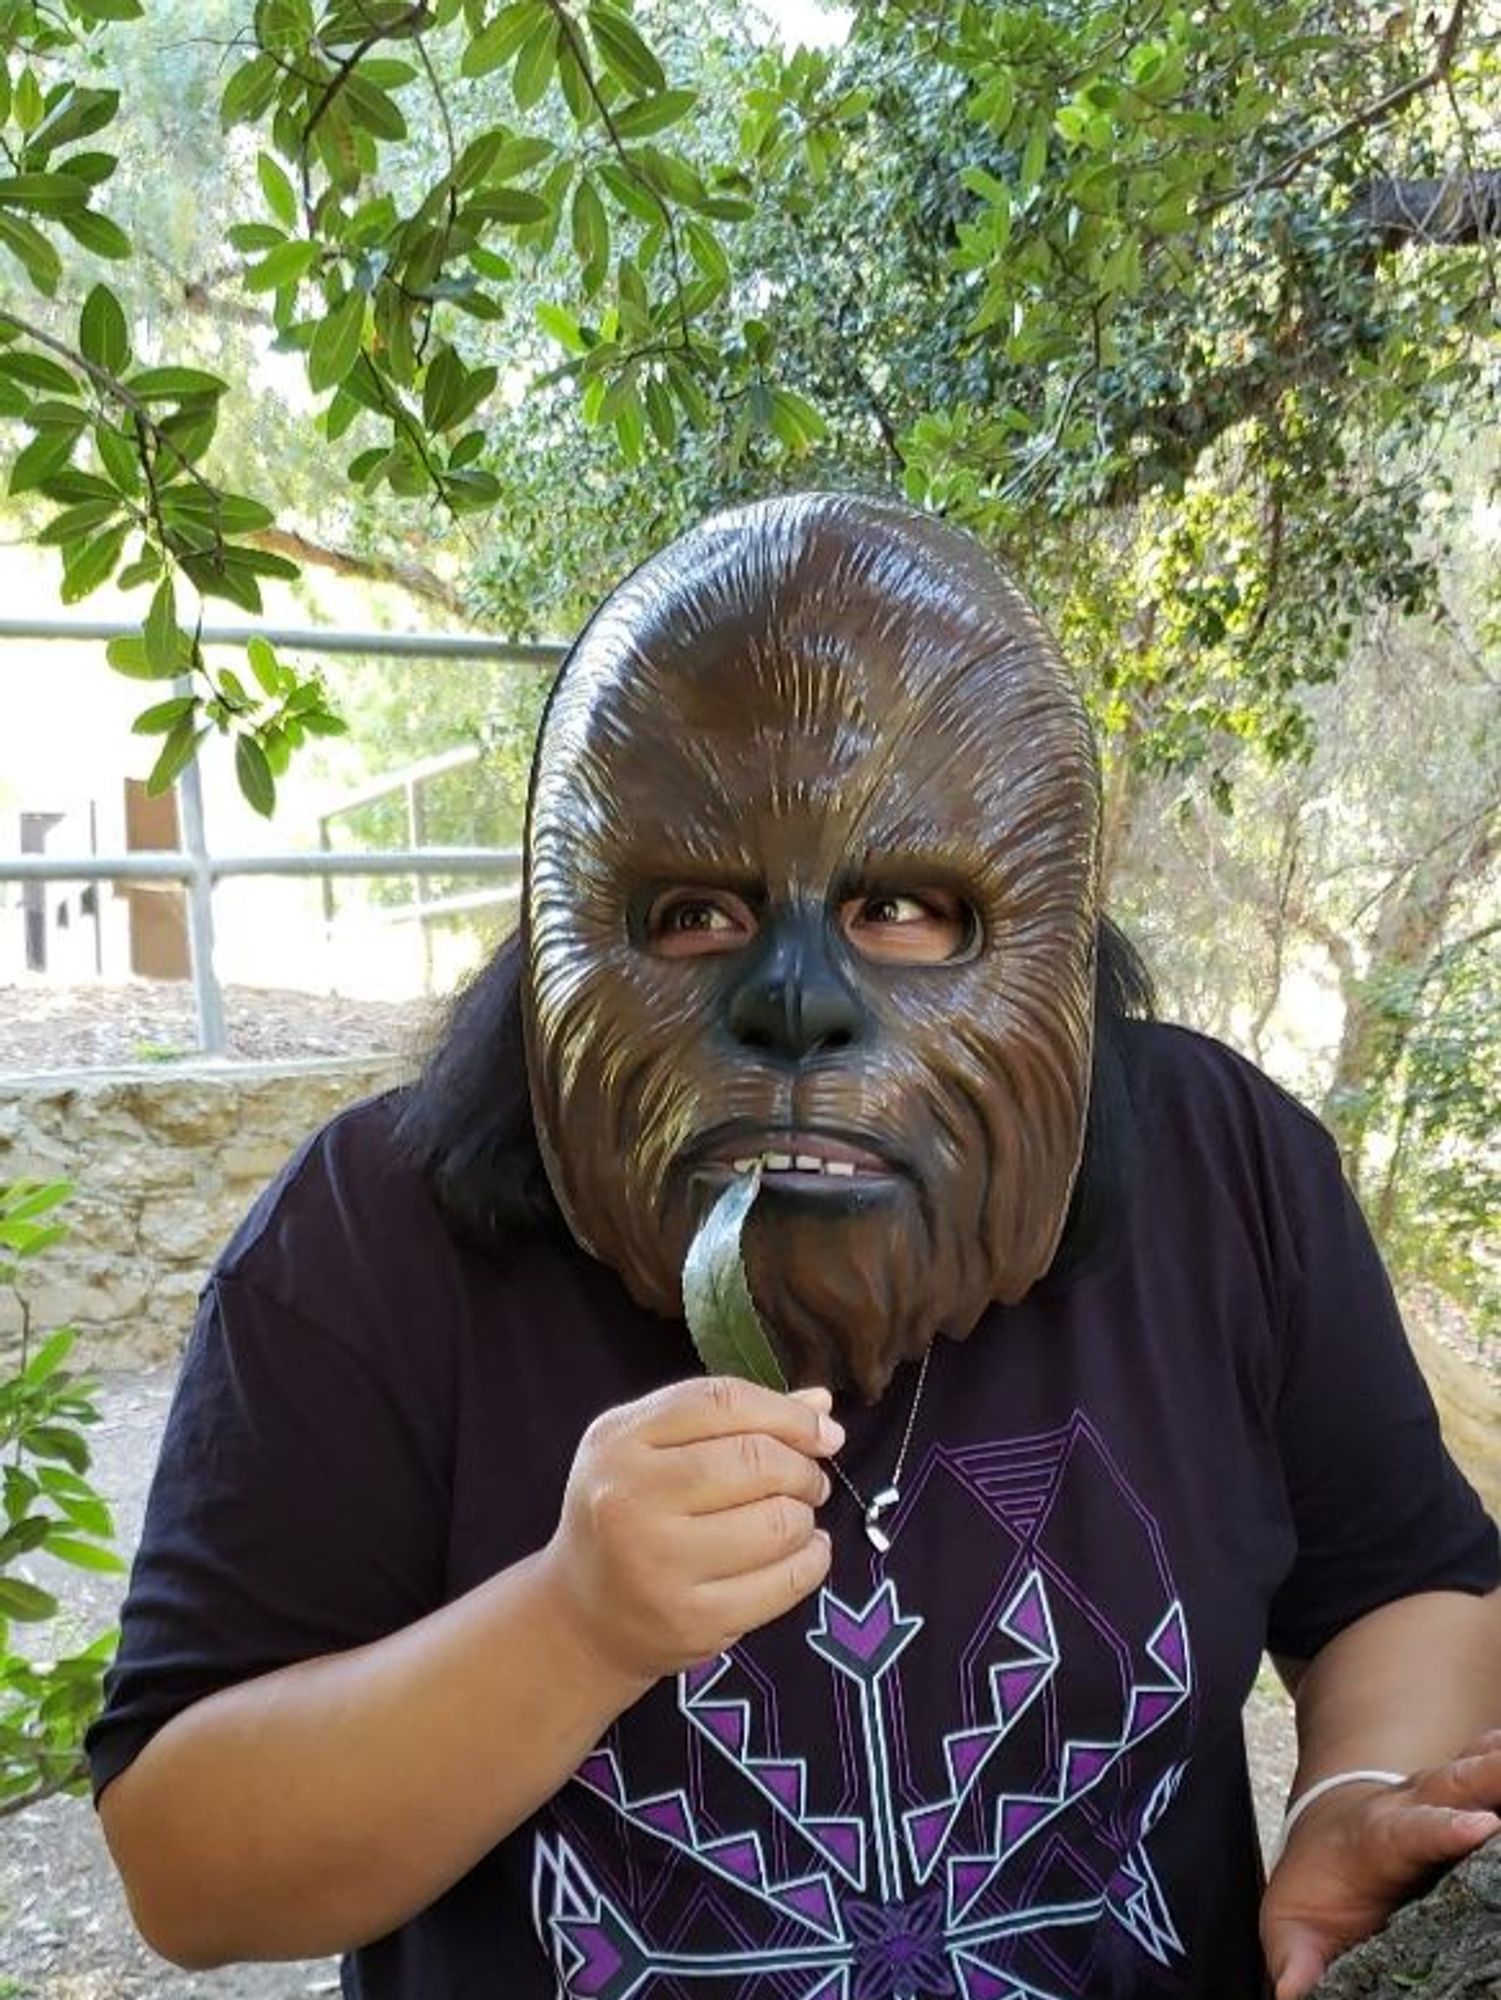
{"x":744,"y":1166}
{"x":846,"y":1168}
{"x":809,"y":1163}
{"x":778,"y":1163}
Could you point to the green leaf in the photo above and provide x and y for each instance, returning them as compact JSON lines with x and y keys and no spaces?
{"x":38,"y":372}
{"x":795,"y":420}
{"x":74,"y":524}
{"x":275,"y":186}
{"x":563,"y":327}
{"x":536,"y":64}
{"x":660,"y":413}
{"x":127,"y":655}
{"x":727,"y":1329}
{"x":56,"y":1441}
{"x":74,"y":116}
{"x":254,"y":775}
{"x":164,"y":716}
{"x":623,"y":52}
{"x":1034,"y":158}
{"x":176,"y":755}
{"x":47,"y":453}
{"x":251,"y":90}
{"x":84,"y":1555}
{"x":21,"y":1202}
{"x":108,"y":10}
{"x":263,"y":665}
{"x":513,"y":208}
{"x":286,"y":264}
{"x":370,"y":108}
{"x":27,"y":105}
{"x":35,"y":253}
{"x":97,"y":232}
{"x":103,"y":335}
{"x":159,"y":385}
{"x":92,"y":564}
{"x":336,"y":343}
{"x":499,"y":42}
{"x":24,"y":1601}
{"x":161,"y":628}
{"x":654,"y":114}
{"x":48,"y":194}
{"x":707,"y":252}
{"x":591,"y":235}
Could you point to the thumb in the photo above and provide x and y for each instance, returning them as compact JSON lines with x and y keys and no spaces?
{"x":1297,"y":1959}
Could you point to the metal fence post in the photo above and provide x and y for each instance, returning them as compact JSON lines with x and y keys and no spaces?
{"x":199,"y":889}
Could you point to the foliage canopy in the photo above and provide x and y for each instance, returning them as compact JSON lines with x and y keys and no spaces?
{"x":1165,"y":301}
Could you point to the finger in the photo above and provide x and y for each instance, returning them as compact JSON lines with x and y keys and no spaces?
{"x":1470,"y":1780}
{"x":717,"y":1473}
{"x":1297,"y":1959}
{"x":1419,"y":1837}
{"x":821,"y":1400}
{"x":743,"y":1603}
{"x":743,"y":1540}
{"x":720,"y":1406}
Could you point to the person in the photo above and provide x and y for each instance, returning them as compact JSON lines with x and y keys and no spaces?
{"x":479,"y":1634}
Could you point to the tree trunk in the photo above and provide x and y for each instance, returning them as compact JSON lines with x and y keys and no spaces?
{"x":1445,"y":1947}
{"x":1379,"y":1006}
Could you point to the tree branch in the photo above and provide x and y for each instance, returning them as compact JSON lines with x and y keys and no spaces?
{"x":1360,"y":121}
{"x":413,"y":577}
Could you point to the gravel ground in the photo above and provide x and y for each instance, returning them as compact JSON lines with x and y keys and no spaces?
{"x":49,"y":1027}
{"x":64,"y":1930}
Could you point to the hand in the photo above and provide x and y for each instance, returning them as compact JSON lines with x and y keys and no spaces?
{"x":688,"y":1521}
{"x":1361,"y":1850}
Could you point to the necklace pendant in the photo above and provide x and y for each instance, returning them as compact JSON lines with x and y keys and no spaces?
{"x":882,"y":1503}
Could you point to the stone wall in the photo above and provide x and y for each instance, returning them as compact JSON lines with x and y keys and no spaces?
{"x":164,"y":1163}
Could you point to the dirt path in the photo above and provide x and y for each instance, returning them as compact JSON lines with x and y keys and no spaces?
{"x":65,"y":1933}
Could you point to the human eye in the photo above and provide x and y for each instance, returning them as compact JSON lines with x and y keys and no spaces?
{"x":686,"y":923}
{"x":922,"y":927}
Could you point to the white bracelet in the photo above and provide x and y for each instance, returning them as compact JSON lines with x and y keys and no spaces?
{"x":1304,"y":1800}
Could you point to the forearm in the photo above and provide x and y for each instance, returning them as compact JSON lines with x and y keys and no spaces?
{"x":321,"y":1806}
{"x":1401,"y":1688}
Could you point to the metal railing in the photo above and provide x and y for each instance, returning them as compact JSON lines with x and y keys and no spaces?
{"x":198,"y":868}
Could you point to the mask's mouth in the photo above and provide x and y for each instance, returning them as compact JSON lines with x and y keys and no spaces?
{"x":790,"y":1158}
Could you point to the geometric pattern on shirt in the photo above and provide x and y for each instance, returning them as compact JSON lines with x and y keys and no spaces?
{"x":868,"y":1921}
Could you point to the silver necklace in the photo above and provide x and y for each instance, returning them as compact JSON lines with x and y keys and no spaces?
{"x":890,"y":1495}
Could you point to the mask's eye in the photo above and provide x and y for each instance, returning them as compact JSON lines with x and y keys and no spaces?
{"x":927,"y":928}
{"x":691,"y":923}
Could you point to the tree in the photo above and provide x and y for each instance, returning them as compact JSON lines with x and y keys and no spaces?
{"x":1151,"y":297}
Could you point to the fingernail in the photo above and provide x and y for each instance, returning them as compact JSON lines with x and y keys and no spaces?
{"x":828,"y":1488}
{"x":1485,"y":1823}
{"x":815,"y":1398}
{"x":830,"y":1434}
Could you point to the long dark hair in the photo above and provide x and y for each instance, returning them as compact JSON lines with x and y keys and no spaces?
{"x":467,"y":1121}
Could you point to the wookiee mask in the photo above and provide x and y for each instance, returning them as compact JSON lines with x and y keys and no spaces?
{"x":811,"y":877}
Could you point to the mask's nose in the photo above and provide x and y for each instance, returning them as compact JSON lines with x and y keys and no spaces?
{"x":791,"y":1000}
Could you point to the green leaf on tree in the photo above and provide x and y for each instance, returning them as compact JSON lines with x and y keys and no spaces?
{"x":254,"y":775}
{"x":336,"y":343}
{"x":103,"y":335}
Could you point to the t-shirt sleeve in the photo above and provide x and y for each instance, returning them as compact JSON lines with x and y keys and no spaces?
{"x":1380,"y":1508}
{"x":298,"y":1509}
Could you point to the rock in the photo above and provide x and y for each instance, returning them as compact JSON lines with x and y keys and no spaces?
{"x":164,"y":1164}
{"x":1447,"y":1946}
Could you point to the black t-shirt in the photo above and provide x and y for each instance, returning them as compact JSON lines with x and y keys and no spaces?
{"x":1004,"y":1762}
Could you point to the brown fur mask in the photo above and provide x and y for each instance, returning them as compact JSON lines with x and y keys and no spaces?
{"x":801,"y":702}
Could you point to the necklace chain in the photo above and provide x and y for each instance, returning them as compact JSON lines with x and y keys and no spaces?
{"x":889,"y":1495}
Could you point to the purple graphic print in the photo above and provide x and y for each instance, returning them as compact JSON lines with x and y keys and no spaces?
{"x":901,"y":1802}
